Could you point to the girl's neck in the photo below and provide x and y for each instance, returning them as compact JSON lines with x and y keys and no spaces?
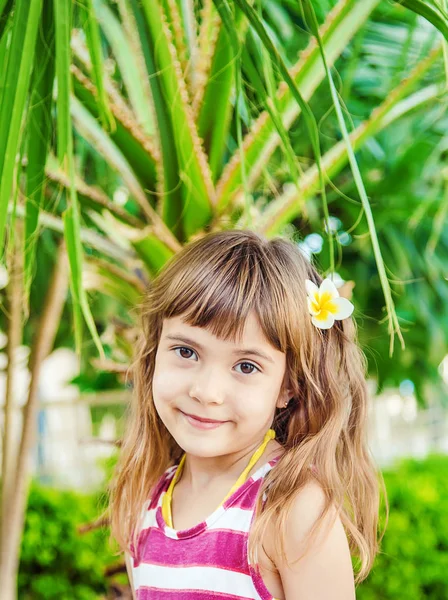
{"x":199,"y":474}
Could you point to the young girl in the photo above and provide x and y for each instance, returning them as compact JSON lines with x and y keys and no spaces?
{"x":244,"y":471}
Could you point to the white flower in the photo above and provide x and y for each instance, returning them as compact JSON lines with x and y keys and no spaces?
{"x":325,"y":304}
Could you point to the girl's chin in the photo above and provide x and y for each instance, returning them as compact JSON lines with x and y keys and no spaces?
{"x":202,"y":442}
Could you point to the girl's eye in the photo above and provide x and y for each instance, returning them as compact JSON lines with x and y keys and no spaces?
{"x":183,"y":348}
{"x":247,"y":364}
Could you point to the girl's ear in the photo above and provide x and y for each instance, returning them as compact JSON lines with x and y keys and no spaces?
{"x":284,"y":398}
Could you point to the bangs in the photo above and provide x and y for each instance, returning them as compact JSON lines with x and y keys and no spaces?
{"x":218,"y":287}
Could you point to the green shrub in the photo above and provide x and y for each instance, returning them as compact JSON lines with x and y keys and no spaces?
{"x":413,"y":562}
{"x":56,"y":561}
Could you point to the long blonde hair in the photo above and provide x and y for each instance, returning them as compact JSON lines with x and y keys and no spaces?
{"x":215,"y":282}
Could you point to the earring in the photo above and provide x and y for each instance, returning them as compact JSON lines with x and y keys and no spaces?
{"x":286,"y":404}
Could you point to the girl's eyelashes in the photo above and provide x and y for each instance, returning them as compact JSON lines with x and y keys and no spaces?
{"x":190,"y":350}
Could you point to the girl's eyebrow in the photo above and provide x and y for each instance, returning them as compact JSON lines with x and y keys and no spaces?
{"x":246,"y":351}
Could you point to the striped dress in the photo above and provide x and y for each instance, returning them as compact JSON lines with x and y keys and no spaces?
{"x":209,"y":560}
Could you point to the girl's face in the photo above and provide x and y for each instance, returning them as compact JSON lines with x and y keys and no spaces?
{"x":198,"y":374}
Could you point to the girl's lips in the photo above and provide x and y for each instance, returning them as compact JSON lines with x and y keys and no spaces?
{"x":202,"y":424}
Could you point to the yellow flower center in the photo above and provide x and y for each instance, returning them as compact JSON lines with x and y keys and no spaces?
{"x":322,"y":305}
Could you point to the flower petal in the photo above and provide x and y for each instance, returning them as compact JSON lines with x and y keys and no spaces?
{"x":324,"y":323}
{"x":328,"y":286}
{"x":345,"y":308}
{"x":310,"y":303}
{"x":311,"y":288}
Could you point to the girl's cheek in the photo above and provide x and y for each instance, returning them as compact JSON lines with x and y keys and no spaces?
{"x":166,"y":385}
{"x":255,"y":409}
{"x":159,"y":385}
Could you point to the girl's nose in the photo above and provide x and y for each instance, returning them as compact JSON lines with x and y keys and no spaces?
{"x":207,"y":390}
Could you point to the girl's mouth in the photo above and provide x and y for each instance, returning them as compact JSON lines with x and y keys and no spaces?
{"x":199,"y":423}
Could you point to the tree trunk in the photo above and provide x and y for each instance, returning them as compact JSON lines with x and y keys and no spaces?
{"x":15,"y":331}
{"x":13,"y":519}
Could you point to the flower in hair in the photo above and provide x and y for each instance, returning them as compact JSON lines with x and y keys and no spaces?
{"x":325,"y":304}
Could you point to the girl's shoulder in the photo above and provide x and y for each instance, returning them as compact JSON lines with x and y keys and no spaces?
{"x":327,"y":545}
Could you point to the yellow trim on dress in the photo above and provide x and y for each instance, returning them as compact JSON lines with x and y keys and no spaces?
{"x":167,"y":498}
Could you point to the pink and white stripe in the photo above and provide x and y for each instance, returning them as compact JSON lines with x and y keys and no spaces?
{"x":207,"y":561}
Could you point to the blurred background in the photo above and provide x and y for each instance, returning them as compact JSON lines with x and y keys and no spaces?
{"x":131,"y":127}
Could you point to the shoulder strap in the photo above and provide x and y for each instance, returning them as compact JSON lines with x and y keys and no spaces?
{"x":166,"y":501}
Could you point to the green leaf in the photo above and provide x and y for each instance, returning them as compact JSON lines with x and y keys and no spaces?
{"x":74,"y":252}
{"x":186,"y":10}
{"x":91,"y":131}
{"x":177,"y":26}
{"x":169,"y":182}
{"x":117,"y":282}
{"x":284,"y":208}
{"x":227,"y":18}
{"x":71,"y":217}
{"x":270,"y":102}
{"x":127,"y":53}
{"x":89,"y":128}
{"x":308,"y":116}
{"x":71,"y":235}
{"x":5,"y":11}
{"x":39,"y":131}
{"x":202,"y":54}
{"x":88,"y":236}
{"x":394,"y":326}
{"x":94,"y":45}
{"x":21,"y":53}
{"x":91,"y":197}
{"x":431,"y":11}
{"x":152,"y":250}
{"x":4,"y":55}
{"x":261,"y":141}
{"x":196,"y":182}
{"x":63,"y":14}
{"x":138,"y":150}
{"x":216,"y":108}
